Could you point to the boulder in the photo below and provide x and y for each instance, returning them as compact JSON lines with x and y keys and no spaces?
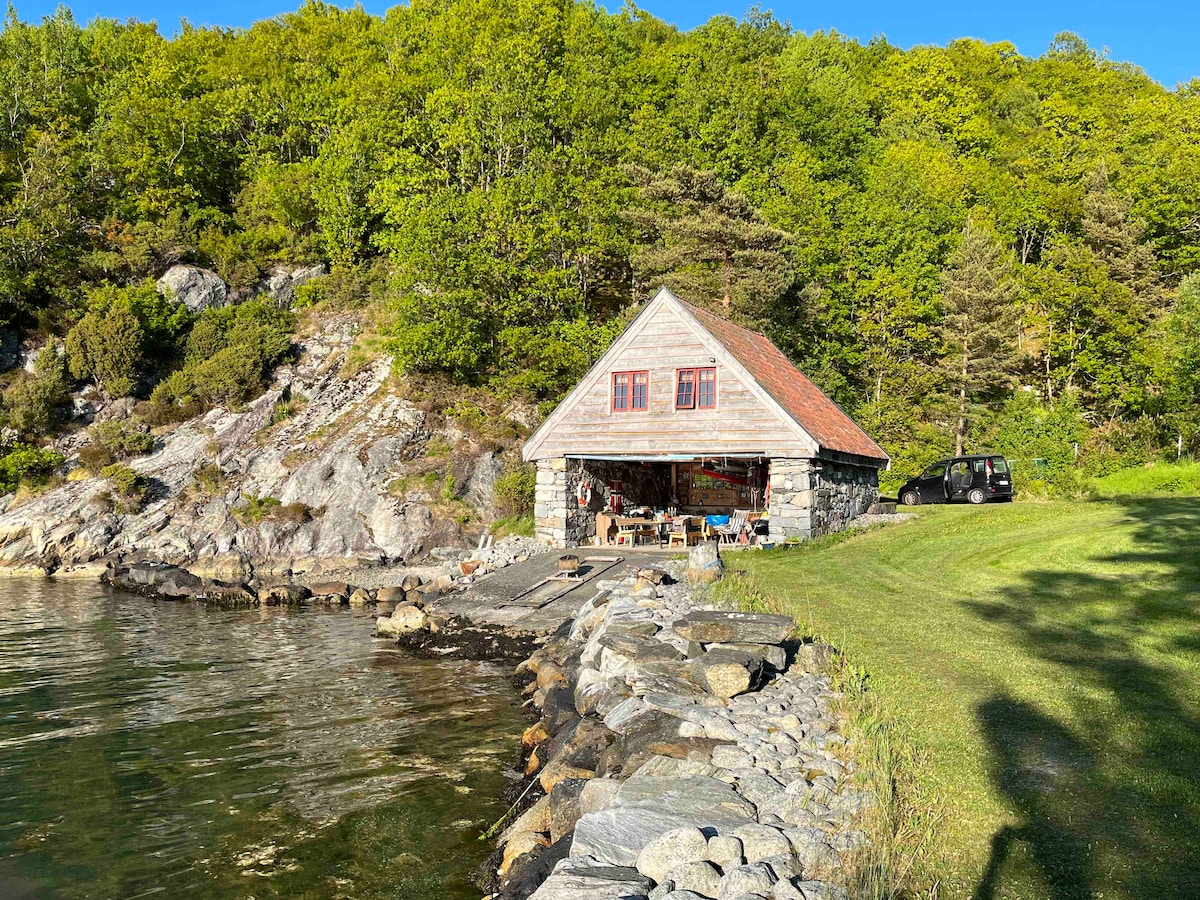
{"x":332,"y":589}
{"x":536,"y":818}
{"x":762,"y":841}
{"x":286,"y":595}
{"x":410,"y":582}
{"x":564,"y":806}
{"x":360,"y":597}
{"x":391,"y":595}
{"x":646,"y":808}
{"x":598,"y":794}
{"x":704,"y":564}
{"x":405,"y":620}
{"x":727,"y":673}
{"x":670,"y":850}
{"x":527,"y":872}
{"x":774,"y":656}
{"x":522,"y":843}
{"x":701,"y":877}
{"x":196,"y":288}
{"x":280,"y":282}
{"x":784,"y":865}
{"x":230,"y":594}
{"x":821,"y":890}
{"x":583,"y":878}
{"x":725,"y":627}
{"x":785,"y":890}
{"x":755,"y":878}
{"x":814,"y":658}
{"x":725,"y":850}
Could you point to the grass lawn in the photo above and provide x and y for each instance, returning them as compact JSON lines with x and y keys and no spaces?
{"x":1048,"y":657}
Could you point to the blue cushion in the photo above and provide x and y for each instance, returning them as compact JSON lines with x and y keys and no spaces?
{"x":717,"y":520}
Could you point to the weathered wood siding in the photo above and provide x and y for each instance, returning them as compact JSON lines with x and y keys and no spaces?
{"x":664,"y":342}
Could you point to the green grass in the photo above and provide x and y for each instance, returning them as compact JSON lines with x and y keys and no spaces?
{"x":1164,"y":479}
{"x":522,"y":526}
{"x":1047,"y":656}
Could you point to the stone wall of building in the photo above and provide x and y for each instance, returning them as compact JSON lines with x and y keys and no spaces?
{"x":551,"y":499}
{"x":812,"y":497}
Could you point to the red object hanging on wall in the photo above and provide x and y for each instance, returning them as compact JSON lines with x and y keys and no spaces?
{"x":616,"y":497}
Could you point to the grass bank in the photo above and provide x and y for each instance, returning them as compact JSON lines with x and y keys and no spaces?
{"x":1047,"y":656}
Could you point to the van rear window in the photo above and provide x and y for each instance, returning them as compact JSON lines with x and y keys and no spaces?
{"x":999,"y":465}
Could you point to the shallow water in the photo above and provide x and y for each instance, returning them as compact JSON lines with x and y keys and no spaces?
{"x":171,"y":748}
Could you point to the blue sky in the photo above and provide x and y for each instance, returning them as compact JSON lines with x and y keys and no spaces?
{"x":1158,"y":35}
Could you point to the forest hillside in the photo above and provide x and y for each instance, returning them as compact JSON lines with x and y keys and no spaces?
{"x":962,"y":245}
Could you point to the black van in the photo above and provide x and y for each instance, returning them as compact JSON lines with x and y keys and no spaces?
{"x":976,"y":479}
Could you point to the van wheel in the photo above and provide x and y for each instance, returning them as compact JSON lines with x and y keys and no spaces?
{"x":910,"y":498}
{"x":976,"y":496}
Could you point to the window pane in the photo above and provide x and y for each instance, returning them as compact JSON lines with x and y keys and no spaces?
{"x":640,"y":393}
{"x":684,"y":392}
{"x":707,"y":392}
{"x":620,"y":392}
{"x":1000,"y":465}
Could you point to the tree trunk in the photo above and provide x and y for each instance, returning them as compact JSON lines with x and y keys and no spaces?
{"x":727,"y":272}
{"x":962,"y":407}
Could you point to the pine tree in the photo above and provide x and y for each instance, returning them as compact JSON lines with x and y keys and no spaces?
{"x":706,"y":242}
{"x":979,"y":326}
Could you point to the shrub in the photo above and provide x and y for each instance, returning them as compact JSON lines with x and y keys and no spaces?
{"x":209,"y":478}
{"x":96,"y":457}
{"x":127,"y":487}
{"x":127,"y":330}
{"x":515,"y":491}
{"x":123,"y":439}
{"x":230,"y":353}
{"x":258,"y":509}
{"x":287,"y":406}
{"x":107,"y":346}
{"x":22,"y":464}
{"x":33,"y":403}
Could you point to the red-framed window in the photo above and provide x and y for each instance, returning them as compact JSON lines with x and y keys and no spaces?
{"x":630,"y":391}
{"x":696,"y":388}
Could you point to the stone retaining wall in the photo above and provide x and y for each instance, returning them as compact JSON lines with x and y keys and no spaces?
{"x":812,"y":497}
{"x":680,"y":750}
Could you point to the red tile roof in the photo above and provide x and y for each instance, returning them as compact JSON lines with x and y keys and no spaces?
{"x":804,"y":401}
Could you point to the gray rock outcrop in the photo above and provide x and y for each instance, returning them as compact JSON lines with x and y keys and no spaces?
{"x":326,"y":474}
{"x":280,"y":282}
{"x":196,"y":288}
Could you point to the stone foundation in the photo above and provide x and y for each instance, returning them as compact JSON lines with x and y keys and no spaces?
{"x":812,"y":497}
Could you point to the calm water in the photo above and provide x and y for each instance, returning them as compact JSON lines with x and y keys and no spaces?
{"x":168,"y":748}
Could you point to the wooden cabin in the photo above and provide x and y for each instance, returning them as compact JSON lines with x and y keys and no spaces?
{"x":688,"y":413}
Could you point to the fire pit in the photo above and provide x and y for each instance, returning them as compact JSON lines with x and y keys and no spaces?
{"x":568,"y":566}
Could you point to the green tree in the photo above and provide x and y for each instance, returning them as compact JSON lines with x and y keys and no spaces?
{"x":706,"y":242}
{"x":979,"y":326}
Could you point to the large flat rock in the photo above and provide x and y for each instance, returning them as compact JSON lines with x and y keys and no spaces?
{"x":727,"y":627}
{"x":647,"y":807}
{"x":583,"y":878}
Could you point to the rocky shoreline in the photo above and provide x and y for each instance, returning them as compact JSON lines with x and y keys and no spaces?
{"x":679,"y":752}
{"x":676,"y":750}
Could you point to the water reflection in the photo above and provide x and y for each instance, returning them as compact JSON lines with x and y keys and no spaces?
{"x":160,"y":746}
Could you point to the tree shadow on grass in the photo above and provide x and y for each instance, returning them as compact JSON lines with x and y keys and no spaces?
{"x":1110,"y":801}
